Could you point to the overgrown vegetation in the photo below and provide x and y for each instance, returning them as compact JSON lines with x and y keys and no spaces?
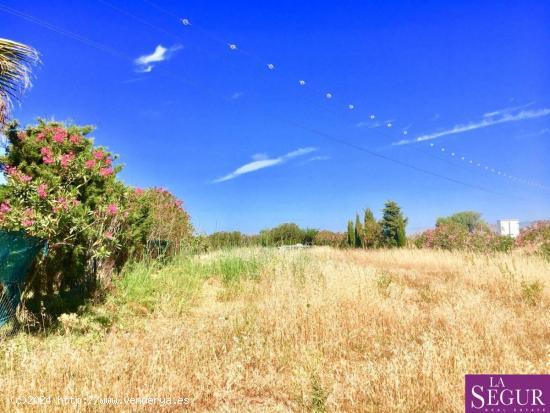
{"x":284,"y":234}
{"x":535,"y":239}
{"x":255,"y":329}
{"x":64,"y":190}
{"x":155,"y":225}
{"x":463,"y":231}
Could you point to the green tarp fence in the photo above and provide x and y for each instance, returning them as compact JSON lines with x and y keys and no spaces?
{"x":17,"y":252}
{"x":158,"y":246}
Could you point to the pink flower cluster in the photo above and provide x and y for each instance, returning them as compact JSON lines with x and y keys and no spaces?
{"x":99,"y":154}
{"x":47,"y":155}
{"x":106,"y":171}
{"x":75,"y":139}
{"x":430,"y":235}
{"x":90,"y":164}
{"x":112,"y":209}
{"x":5,"y":207}
{"x":66,"y":159}
{"x":59,"y":135}
{"x":15,"y":174}
{"x":28,"y":218}
{"x":101,"y":159}
{"x":42,"y":191}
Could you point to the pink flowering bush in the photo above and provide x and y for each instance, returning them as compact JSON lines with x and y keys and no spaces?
{"x":63,"y":189}
{"x":453,"y":236}
{"x":51,"y":192}
{"x":155,"y":224}
{"x":535,"y":239}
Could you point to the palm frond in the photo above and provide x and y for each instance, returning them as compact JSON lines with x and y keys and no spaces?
{"x":16,"y":61}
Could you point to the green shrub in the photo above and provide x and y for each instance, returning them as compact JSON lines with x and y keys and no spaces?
{"x":287,"y":234}
{"x":329,"y":238}
{"x":223,"y":239}
{"x":469,"y":220}
{"x":155,"y":225}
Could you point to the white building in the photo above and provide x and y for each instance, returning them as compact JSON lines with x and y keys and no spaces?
{"x":509,"y":227}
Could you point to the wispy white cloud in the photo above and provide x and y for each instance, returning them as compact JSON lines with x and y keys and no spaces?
{"x":487,"y":121}
{"x":500,"y":112}
{"x":299,"y":152}
{"x":262,"y":161}
{"x":146,"y":63}
{"x":316,"y":159}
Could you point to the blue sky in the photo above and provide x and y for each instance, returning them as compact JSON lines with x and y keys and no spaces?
{"x":246,"y":146}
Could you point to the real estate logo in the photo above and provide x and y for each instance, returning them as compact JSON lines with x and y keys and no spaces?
{"x":507,"y":393}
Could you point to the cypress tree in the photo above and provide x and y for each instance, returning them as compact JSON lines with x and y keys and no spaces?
{"x":351,"y":234}
{"x":401,"y":237}
{"x":371,"y":229}
{"x":358,"y":232}
{"x":393,"y":225}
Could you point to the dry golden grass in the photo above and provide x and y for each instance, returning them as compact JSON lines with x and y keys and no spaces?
{"x":319,"y":330}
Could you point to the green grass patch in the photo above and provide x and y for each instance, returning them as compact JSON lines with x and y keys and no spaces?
{"x":531,"y":292}
{"x":233,"y":269}
{"x":167,"y":289}
{"x":148,"y":286}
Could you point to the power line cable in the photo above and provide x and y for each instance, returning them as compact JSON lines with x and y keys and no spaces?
{"x":317,"y":132}
{"x":328,"y":95}
{"x":63,"y":32}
